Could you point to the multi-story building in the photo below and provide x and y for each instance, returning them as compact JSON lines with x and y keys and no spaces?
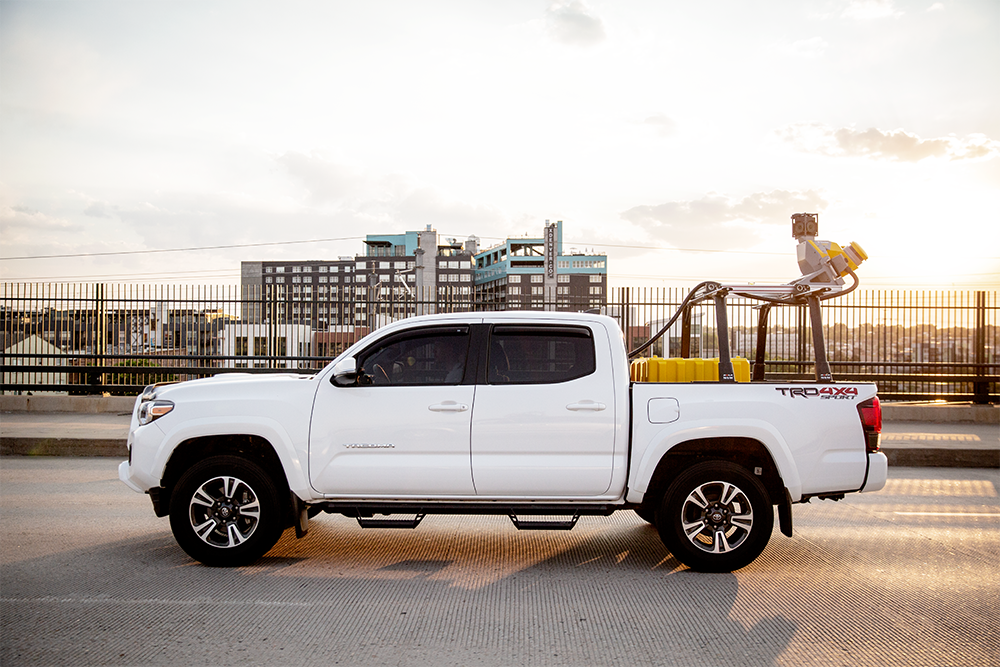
{"x":399,"y":275}
{"x":537,"y":273}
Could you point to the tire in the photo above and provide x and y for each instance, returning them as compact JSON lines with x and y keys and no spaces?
{"x":715,"y":517}
{"x":225,"y":511}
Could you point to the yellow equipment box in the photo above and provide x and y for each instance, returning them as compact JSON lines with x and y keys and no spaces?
{"x":656,"y":369}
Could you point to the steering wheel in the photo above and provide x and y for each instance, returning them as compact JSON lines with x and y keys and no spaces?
{"x":381,"y":377}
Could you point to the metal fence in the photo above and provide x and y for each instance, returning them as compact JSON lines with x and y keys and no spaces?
{"x":108,"y":338}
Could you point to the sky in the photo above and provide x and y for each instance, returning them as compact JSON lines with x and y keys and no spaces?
{"x":164,"y":142}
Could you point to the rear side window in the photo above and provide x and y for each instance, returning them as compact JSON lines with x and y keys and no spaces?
{"x":540,"y":354}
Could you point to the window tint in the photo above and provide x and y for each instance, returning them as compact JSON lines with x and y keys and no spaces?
{"x":434,"y":356}
{"x":538,"y":355}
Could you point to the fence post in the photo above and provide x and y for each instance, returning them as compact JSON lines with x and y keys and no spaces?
{"x":980,"y":389}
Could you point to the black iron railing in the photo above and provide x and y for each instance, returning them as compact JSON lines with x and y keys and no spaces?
{"x":115,"y":339}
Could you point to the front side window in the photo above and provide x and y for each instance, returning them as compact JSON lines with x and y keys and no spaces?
{"x":540,"y":354}
{"x":427,"y":357}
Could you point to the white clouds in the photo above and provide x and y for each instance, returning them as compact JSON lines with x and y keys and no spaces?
{"x":718,"y":222}
{"x":812,"y":47}
{"x":573,"y":23}
{"x":894,"y":145}
{"x":867,"y":10}
{"x":387,"y":198}
{"x":664,"y":125}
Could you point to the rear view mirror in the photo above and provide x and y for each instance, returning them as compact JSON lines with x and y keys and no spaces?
{"x":345,"y":373}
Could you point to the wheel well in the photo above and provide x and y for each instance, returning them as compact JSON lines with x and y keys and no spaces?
{"x":746,"y":452}
{"x":251,"y":447}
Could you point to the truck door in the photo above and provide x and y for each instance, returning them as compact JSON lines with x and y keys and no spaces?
{"x":543,"y":423}
{"x":403,"y":429}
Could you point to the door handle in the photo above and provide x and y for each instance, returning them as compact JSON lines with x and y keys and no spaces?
{"x":448,"y":406}
{"x":592,"y":406}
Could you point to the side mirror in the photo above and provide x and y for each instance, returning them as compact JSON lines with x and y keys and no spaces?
{"x":345,"y":373}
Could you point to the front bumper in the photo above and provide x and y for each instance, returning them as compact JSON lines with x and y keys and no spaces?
{"x":125,"y":475}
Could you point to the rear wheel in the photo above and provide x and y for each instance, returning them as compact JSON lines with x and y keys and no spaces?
{"x":225,"y":511}
{"x":715,"y":517}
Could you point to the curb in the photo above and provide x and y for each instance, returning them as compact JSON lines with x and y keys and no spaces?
{"x":115,"y":448}
{"x":943,"y":458}
{"x":79,"y":447}
{"x":81,"y":404}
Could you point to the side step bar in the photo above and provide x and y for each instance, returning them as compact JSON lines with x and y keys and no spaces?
{"x":369,"y":522}
{"x":521,"y":524}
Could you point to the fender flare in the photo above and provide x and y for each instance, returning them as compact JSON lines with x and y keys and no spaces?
{"x":761,"y":431}
{"x":270,"y":430}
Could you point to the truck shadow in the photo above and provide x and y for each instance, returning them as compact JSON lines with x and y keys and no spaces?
{"x":606,"y":594}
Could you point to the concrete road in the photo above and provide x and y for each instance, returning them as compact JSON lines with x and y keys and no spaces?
{"x":907,"y":576}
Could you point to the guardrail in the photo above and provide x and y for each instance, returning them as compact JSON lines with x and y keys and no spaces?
{"x":115,"y":339}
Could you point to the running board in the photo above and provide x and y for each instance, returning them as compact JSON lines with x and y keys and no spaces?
{"x":369,"y":522}
{"x":520,"y":524}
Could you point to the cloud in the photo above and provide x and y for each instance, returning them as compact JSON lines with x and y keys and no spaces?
{"x":936,"y":7}
{"x":573,"y":23}
{"x":813,"y":47}
{"x":719,"y":222}
{"x":664,"y":125}
{"x":867,"y":10}
{"x":895,"y":145}
{"x":326,"y":181}
{"x":26,"y":231}
{"x":99,"y":209}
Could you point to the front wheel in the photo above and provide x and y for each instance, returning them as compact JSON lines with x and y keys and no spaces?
{"x":225,"y":511}
{"x":715,"y":517}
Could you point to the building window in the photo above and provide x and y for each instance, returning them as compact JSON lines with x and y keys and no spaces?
{"x":296,"y":279}
{"x":562,"y":290}
{"x":359,"y":265}
{"x":260,"y":347}
{"x":595,"y":277}
{"x":269,"y":269}
{"x":268,"y":280}
{"x":466,"y":278}
{"x":537,"y":278}
{"x":279,"y":279}
{"x":334,"y":269}
{"x":537,"y":290}
{"x":513,"y":279}
{"x":563,"y":277}
{"x":323,"y":269}
{"x":334,"y":279}
{"x":399,"y":266}
{"x":453,"y":277}
{"x":322,"y":279}
{"x":359,"y":279}
{"x":296,"y":269}
{"x":279,"y":269}
{"x":595,"y":290}
{"x":384,"y":265}
{"x":242,"y":347}
{"x":307,"y":279}
{"x":513,"y":290}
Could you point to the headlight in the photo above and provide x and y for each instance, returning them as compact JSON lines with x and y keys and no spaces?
{"x":154,"y":409}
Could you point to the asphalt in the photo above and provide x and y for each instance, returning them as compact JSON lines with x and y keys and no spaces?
{"x":931,"y":442}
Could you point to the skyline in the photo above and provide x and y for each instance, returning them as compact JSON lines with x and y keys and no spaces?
{"x":697,"y":131}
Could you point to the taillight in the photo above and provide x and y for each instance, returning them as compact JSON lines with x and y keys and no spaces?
{"x":871,"y":419}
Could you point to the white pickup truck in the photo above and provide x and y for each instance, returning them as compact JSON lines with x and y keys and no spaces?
{"x":528,"y":414}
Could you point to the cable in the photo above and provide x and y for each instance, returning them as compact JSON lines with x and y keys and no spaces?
{"x":149,"y":252}
{"x":673,"y":319}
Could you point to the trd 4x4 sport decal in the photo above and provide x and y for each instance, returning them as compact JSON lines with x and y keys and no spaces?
{"x":842,"y":393}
